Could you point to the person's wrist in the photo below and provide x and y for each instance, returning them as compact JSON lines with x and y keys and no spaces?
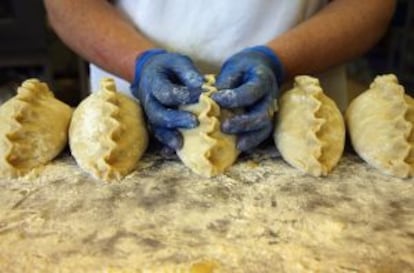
{"x":275,"y":62}
{"x":140,"y":62}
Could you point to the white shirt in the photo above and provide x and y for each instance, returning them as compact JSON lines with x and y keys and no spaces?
{"x":211,"y":31}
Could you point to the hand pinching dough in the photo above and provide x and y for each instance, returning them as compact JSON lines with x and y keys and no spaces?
{"x":310,"y":130}
{"x":206,"y":150}
{"x":380,"y":123}
{"x":107,"y":135}
{"x":33,"y":128}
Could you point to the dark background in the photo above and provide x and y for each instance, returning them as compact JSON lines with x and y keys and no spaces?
{"x":29,"y":48}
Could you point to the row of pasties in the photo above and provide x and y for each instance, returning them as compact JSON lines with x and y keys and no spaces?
{"x":380,"y":124}
{"x":107,"y":135}
{"x":309,"y":131}
{"x":206,"y":149}
{"x":33,"y":129}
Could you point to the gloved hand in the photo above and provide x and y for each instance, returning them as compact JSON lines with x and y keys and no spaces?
{"x":250,"y":80}
{"x":163,"y":81}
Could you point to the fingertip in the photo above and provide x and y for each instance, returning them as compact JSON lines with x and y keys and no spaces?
{"x":195,"y":95}
{"x":192,"y":121}
{"x":170,"y":138}
{"x":236,"y":125}
{"x":167,"y":152}
{"x":225,"y":80}
{"x":247,"y":142}
{"x":198,"y":79}
{"x":181,"y":119}
{"x":243,"y":145}
{"x":192,"y":78}
{"x":226,"y":126}
{"x":250,"y":140}
{"x":225,"y":98}
{"x":176,"y":142}
{"x":162,"y":116}
{"x":188,"y":72}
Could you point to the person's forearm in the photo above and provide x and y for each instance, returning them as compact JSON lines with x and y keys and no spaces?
{"x":98,"y":32}
{"x":343,"y":30}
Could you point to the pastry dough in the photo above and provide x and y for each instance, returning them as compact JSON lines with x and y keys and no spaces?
{"x":380,"y":123}
{"x":107,"y":135}
{"x":34,"y":128}
{"x":310,"y":130}
{"x":206,"y":150}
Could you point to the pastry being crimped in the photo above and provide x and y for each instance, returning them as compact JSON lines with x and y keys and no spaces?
{"x":381,"y":126}
{"x":310,"y":130}
{"x":206,"y":150}
{"x":107,"y":134}
{"x":34,"y":128}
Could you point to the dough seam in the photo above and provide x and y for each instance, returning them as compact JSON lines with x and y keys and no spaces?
{"x":209,"y":114}
{"x":12,"y":137}
{"x":24,"y":98}
{"x":319,"y":122}
{"x":113,"y":104}
{"x":409,"y":137}
{"x":208,"y":117}
{"x":107,"y":135}
{"x":27,"y":138}
{"x":401,"y":119}
{"x":104,"y":164}
{"x":206,"y":150}
{"x":309,"y":130}
{"x":380,"y":123}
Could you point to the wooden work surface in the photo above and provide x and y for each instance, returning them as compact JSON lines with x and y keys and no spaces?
{"x":260,"y":216}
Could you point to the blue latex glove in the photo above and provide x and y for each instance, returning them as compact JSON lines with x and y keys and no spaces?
{"x":163,"y":81}
{"x":250,"y":80}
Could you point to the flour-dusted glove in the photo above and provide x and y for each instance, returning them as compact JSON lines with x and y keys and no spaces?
{"x":163,"y":81}
{"x":250,"y":80}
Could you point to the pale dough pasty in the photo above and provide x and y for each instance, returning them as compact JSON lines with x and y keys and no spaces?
{"x":310,"y":130}
{"x":33,"y":128}
{"x":380,"y":123}
{"x":206,"y":150}
{"x":107,"y":135}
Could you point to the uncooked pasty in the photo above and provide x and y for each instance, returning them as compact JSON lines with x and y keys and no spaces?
{"x":206,"y":150}
{"x":380,"y":123}
{"x":107,"y":135}
{"x":33,"y":128}
{"x":310,"y":130}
